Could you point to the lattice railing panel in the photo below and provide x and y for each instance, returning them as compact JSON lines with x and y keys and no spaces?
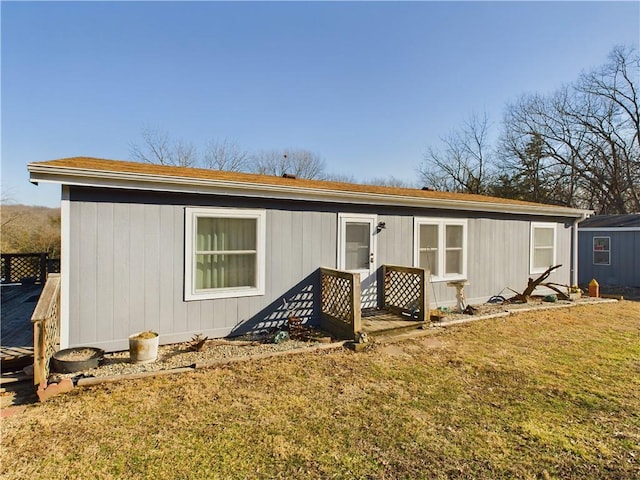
{"x":46,"y":328}
{"x":15,"y":268}
{"x":52,"y":331}
{"x":336,"y":297}
{"x":402,"y":290}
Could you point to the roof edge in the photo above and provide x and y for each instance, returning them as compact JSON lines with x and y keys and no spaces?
{"x":74,"y":176}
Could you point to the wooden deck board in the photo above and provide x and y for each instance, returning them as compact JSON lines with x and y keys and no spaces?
{"x":18,"y":303}
{"x":382,"y":322}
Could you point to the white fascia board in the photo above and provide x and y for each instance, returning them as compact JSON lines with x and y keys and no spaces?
{"x":609,"y":229}
{"x":91,"y":178}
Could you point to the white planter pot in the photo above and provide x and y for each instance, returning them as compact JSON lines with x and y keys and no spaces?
{"x":143,"y":350}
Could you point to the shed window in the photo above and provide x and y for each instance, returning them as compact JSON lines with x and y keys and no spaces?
{"x":602,"y":250}
{"x":543,"y":247}
{"x":440,"y":246}
{"x":224,"y":253}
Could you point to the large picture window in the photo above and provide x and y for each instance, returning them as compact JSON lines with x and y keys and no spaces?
{"x":602,"y":250}
{"x":543,"y":247}
{"x":440,"y":246}
{"x":225,"y":254}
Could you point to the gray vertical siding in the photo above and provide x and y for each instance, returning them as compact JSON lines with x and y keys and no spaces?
{"x":624,"y":269}
{"x":127,"y":264}
{"x":127,"y":267}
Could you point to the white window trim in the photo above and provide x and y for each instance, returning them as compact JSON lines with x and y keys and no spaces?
{"x":442,"y":224}
{"x":593,"y":251}
{"x":535,"y":225}
{"x":191,"y":214}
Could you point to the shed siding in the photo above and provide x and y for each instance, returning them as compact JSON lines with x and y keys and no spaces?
{"x":624,"y":269}
{"x":127,"y":263}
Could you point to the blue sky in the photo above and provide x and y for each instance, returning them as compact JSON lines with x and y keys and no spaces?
{"x":366,"y":85}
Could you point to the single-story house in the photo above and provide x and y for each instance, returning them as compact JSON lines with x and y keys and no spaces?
{"x":185,"y":251}
{"x":609,"y":247}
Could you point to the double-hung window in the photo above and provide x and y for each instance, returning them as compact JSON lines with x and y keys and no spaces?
{"x":224,"y":253}
{"x":543,"y":247}
{"x":602,"y":250}
{"x":440,"y":246}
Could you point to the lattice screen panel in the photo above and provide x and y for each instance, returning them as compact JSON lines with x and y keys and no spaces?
{"x":336,"y":297}
{"x":402,"y":290}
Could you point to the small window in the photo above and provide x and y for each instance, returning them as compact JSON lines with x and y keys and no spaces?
{"x":224,"y":253}
{"x":602,"y":250}
{"x":440,"y":247}
{"x":543,"y":247}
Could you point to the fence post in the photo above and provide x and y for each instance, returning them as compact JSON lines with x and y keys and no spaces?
{"x":425,"y":275}
{"x":43,"y":267}
{"x":7,"y":268}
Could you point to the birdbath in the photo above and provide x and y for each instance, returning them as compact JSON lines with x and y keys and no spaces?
{"x":459,"y":286}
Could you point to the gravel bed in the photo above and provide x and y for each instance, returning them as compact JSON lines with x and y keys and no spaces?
{"x":181,"y":355}
{"x":536,"y":302}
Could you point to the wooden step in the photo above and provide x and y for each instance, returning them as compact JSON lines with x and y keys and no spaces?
{"x":396,"y":330}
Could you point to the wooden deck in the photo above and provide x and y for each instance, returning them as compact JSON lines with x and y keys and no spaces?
{"x":16,"y":341}
{"x":380,"y":322}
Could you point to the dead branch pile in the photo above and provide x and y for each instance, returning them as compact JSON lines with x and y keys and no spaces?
{"x":532,"y":284}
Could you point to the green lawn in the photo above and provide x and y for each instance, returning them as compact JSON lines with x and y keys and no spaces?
{"x":552,"y":394}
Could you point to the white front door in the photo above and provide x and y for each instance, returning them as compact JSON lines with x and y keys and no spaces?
{"x":357,"y":243}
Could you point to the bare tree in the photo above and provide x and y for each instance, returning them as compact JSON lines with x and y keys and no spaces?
{"x":340,"y":178}
{"x":464,"y":164}
{"x":8,"y":215}
{"x":226,"y":156}
{"x":27,"y":229}
{"x":6,"y":195}
{"x":589,"y":138}
{"x":298,"y":162}
{"x":530,"y":166}
{"x":390,"y":181}
{"x":611,"y":117}
{"x":158,"y":147}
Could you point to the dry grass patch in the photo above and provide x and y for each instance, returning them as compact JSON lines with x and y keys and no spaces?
{"x":538,"y":395}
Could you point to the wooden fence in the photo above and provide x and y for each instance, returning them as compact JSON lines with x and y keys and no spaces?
{"x":27,"y":267}
{"x":405,"y":291}
{"x":340,"y":297}
{"x":46,"y":328}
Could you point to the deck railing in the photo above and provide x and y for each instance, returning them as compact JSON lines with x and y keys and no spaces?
{"x":46,"y":328}
{"x":340,"y":297}
{"x":405,"y":291}
{"x":33,"y":267}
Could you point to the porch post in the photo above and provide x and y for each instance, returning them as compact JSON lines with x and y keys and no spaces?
{"x":356,"y":311}
{"x":425,"y":275}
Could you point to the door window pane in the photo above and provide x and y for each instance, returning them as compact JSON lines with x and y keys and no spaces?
{"x":357,"y":245}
